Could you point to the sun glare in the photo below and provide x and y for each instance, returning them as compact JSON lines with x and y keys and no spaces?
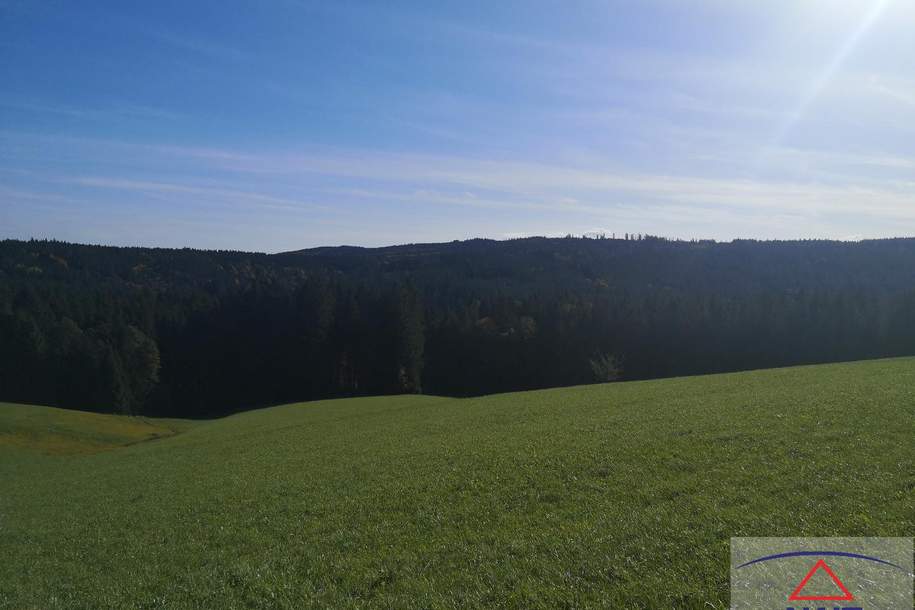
{"x":869,"y":16}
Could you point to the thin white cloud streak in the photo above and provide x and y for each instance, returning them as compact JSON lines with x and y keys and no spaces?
{"x":214,"y":194}
{"x":121,"y":111}
{"x":513,"y":184}
{"x":547,"y":183}
{"x":906,"y":97}
{"x":200,"y":46}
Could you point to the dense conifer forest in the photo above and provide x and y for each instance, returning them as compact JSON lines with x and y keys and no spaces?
{"x":195,"y":333}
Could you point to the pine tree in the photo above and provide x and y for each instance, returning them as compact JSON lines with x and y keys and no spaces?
{"x":411,"y":340}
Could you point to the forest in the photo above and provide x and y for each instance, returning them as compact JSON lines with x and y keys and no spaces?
{"x":193,"y":333}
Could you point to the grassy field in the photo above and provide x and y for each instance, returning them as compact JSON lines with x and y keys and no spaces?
{"x":618,"y":496}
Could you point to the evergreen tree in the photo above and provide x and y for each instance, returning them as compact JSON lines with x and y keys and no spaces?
{"x":411,"y":341}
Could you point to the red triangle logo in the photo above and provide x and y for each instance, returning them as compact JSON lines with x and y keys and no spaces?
{"x":821,"y":565}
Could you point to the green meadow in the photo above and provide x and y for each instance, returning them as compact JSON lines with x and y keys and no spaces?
{"x":618,"y":496}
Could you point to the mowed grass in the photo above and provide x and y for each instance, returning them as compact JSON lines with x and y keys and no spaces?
{"x":617,"y":496}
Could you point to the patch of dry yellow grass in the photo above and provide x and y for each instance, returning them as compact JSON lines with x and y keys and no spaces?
{"x":61,"y":431}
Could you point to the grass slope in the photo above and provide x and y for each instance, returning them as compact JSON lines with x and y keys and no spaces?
{"x":61,"y":431}
{"x":621,"y":495}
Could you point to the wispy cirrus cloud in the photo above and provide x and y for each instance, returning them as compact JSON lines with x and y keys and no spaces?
{"x":224,"y":196}
{"x":355,"y":185}
{"x":108,"y":113}
{"x":199,"y":45}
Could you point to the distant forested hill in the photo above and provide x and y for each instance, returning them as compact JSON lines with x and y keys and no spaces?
{"x":194,"y":333}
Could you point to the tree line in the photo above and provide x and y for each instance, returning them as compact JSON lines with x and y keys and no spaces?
{"x":191,"y":333}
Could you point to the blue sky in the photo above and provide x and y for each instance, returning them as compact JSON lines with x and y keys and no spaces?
{"x":287,"y":124}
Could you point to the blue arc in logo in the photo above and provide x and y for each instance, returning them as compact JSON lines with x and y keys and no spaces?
{"x":820,"y":554}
